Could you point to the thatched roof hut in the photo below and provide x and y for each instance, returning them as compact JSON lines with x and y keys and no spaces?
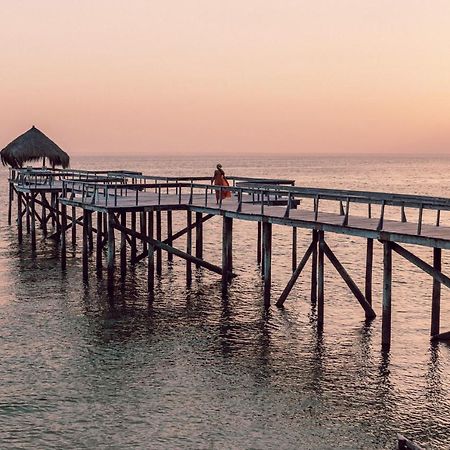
{"x":32,"y":146}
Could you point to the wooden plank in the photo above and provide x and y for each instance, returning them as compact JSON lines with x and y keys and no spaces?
{"x":370,"y":313}
{"x":387,"y":295}
{"x":295,"y":275}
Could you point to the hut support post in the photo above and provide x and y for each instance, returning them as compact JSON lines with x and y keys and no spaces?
{"x":169,"y":234}
{"x":436,"y":298}
{"x":294,"y":249}
{"x":189,"y":248}
{"x":85,"y":243}
{"x":123,"y":247}
{"x":387,"y":295}
{"x":99,"y":242}
{"x":150,"y":261}
{"x":267,"y":257}
{"x":111,"y":248}
{"x":227,"y":251}
{"x":44,"y":215}
{"x":143,"y":220}
{"x":315,"y":239}
{"x":27,"y":216}
{"x":91,"y":233}
{"x":133,"y":238}
{"x":10,"y":200}
{"x":198,"y":236}
{"x":33,"y":221}
{"x":258,"y":244}
{"x":63,"y":236}
{"x":158,"y":250}
{"x":369,"y":270}
{"x":74,"y":226}
{"x":19,"y":217}
{"x":321,"y":281}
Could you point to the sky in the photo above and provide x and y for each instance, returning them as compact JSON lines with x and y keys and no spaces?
{"x":229,"y":77}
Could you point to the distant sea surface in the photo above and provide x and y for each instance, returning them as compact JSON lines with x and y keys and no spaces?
{"x":80,"y":369}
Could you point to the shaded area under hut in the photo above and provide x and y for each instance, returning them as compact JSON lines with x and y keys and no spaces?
{"x":33,"y":145}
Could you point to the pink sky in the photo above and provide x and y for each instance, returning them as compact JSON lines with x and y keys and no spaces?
{"x":208,"y":76}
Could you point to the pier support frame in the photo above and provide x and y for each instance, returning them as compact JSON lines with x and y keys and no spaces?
{"x":436,"y":297}
{"x":387,"y":295}
{"x":63,"y":237}
{"x":198,"y":236}
{"x":85,"y":243}
{"x":369,"y":269}
{"x":169,"y":234}
{"x":158,"y":237}
{"x":111,"y":248}
{"x":267,"y":258}
{"x":99,"y":244}
{"x":189,"y":247}
{"x":227,"y":251}
{"x":321,"y":281}
{"x":150,"y":261}
{"x":315,"y":240}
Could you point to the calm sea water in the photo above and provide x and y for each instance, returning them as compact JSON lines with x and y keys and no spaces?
{"x":80,"y":369}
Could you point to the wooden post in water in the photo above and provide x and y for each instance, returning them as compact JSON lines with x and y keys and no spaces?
{"x":150,"y":261}
{"x":99,"y":242}
{"x":111,"y":248}
{"x":387,"y":295}
{"x":10,"y":200}
{"x":369,"y":270}
{"x":315,"y":238}
{"x":189,"y":248}
{"x":159,"y":238}
{"x":19,"y":217}
{"x":321,"y":282}
{"x":90,"y":233}
{"x":63,"y":237}
{"x":123,"y":247}
{"x":258,"y":244}
{"x":267,"y":258}
{"x":133,"y":252}
{"x":27,"y":211}
{"x":227,"y":252}
{"x":85,"y":243}
{"x":198,"y":236}
{"x":43,"y":215}
{"x":294,"y":249}
{"x":436,"y":299}
{"x":74,"y":226}
{"x":33,"y":221}
{"x":143,"y":221}
{"x":169,"y":234}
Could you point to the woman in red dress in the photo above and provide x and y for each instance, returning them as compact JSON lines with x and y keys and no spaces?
{"x":220,"y":180}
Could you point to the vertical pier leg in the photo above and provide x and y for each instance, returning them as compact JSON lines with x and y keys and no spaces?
{"x":169,"y":234}
{"x":90,"y":232}
{"x":85,"y":243}
{"x":189,"y":248}
{"x":227,"y":251}
{"x":151,"y":261}
{"x":133,"y":238}
{"x":267,"y":258}
{"x":123,"y":247}
{"x":74,"y":226}
{"x":198,"y":236}
{"x":10,"y":200}
{"x":143,"y":220}
{"x":369,"y":270}
{"x":387,"y":296}
{"x":158,"y":237}
{"x":111,"y":248}
{"x":99,"y":241}
{"x":321,"y":282}
{"x":63,"y":236}
{"x":258,"y":244}
{"x":315,"y":238}
{"x":33,"y":221}
{"x":294,"y":249}
{"x":19,"y":217}
{"x":436,"y":300}
{"x":44,"y":215}
{"x":53,"y":205}
{"x":27,"y":212}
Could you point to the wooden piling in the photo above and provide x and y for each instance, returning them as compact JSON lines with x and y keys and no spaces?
{"x":258,"y":244}
{"x":189,"y":248}
{"x":99,"y":244}
{"x":33,"y":221}
{"x":159,"y":238}
{"x":90,"y":233}
{"x":19,"y":217}
{"x":74,"y":226}
{"x":143,"y":220}
{"x":133,"y":251}
{"x":369,"y":270}
{"x":111,"y":248}
{"x":436,"y":297}
{"x":10,"y":200}
{"x":198,"y":236}
{"x":44,"y":215}
{"x":150,"y":261}
{"x":267,"y":257}
{"x":294,"y":249}
{"x":227,"y":251}
{"x":321,"y":281}
{"x":315,"y":239}
{"x":169,"y":234}
{"x":27,"y":212}
{"x":63,"y":237}
{"x":123,"y":247}
{"x":85,"y":243}
{"x":387,"y":295}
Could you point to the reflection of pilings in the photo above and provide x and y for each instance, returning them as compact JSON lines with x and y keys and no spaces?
{"x":267,"y":258}
{"x":436,"y":298}
{"x":387,"y":295}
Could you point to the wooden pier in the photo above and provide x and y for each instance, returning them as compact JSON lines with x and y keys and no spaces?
{"x":124,"y":211}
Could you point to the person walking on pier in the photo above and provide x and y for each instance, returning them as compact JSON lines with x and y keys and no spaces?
{"x":220,"y":180}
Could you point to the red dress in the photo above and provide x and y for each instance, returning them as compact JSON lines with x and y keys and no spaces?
{"x":220,"y":180}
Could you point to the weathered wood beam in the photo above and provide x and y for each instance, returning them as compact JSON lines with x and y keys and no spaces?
{"x":369,"y":271}
{"x":33,"y":221}
{"x":123,"y":247}
{"x":169,"y":239}
{"x":315,"y":239}
{"x":267,"y":258}
{"x":321,"y":281}
{"x":370,"y":313}
{"x":63,"y":237}
{"x":19,"y":217}
{"x":99,"y":246}
{"x":294,"y":248}
{"x":295,"y":276}
{"x":188,"y":247}
{"x":198,"y":235}
{"x":436,"y":296}
{"x":111,"y":247}
{"x":85,"y":244}
{"x":387,"y":295}
{"x":227,"y":251}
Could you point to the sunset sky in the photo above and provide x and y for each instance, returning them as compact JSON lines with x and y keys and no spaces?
{"x":248,"y":76}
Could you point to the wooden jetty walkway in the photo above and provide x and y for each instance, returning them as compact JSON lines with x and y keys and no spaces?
{"x":128,"y":206}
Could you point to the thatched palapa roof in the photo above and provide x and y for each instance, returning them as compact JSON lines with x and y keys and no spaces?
{"x":31,"y":146}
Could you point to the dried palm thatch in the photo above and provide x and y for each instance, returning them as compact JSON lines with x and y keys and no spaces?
{"x":32,"y":146}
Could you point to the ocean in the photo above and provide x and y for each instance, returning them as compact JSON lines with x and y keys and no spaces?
{"x":82,"y":369}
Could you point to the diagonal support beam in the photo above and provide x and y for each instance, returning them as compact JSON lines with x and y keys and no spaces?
{"x":295,"y":275}
{"x":370,"y":313}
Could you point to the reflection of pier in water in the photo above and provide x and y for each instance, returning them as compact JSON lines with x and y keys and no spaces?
{"x":128,"y":209}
